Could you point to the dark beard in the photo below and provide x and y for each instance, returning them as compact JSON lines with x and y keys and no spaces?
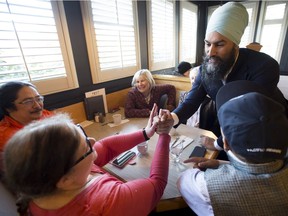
{"x":215,"y":72}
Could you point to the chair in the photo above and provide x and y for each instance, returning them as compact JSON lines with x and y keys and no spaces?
{"x":7,"y":202}
{"x":163,"y":101}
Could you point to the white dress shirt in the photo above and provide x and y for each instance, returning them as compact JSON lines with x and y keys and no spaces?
{"x":193,"y":189}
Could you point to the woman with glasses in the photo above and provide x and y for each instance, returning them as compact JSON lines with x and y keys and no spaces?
{"x":56,"y":169}
{"x":20,"y":104}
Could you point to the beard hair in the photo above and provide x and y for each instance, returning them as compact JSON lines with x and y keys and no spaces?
{"x":218,"y":70}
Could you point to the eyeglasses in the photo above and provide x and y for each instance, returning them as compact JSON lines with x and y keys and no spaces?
{"x":88,"y":143}
{"x":31,"y":101}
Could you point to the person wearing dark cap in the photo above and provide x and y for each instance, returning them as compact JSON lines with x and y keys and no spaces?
{"x":184,"y":68}
{"x":254,"y":181}
{"x":225,"y":62}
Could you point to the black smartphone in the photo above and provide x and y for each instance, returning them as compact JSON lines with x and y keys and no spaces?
{"x":123,"y":159}
{"x":198,"y":151}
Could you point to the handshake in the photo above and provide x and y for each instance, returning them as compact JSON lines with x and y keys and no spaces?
{"x":161,"y":122}
{"x":164,"y":122}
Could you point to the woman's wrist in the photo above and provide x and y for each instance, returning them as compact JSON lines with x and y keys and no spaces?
{"x":145,"y":134}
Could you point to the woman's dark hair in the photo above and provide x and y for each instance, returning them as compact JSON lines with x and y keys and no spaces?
{"x":38,"y":155}
{"x":8,"y":94}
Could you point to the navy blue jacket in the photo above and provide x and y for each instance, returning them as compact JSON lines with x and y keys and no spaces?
{"x":250,"y":65}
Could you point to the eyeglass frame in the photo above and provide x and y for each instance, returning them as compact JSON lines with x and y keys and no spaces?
{"x":38,"y":99}
{"x":89,"y":145}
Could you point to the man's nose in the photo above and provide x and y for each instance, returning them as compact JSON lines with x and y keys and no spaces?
{"x":211,"y":51}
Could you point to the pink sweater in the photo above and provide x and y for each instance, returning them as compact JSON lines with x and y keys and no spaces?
{"x":109,"y":196}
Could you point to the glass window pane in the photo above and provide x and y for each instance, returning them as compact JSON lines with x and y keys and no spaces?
{"x":28,"y":39}
{"x":162,"y":34}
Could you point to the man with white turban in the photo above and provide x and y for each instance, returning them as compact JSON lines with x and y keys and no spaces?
{"x":225,"y":62}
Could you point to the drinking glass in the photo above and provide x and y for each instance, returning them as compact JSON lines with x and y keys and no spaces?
{"x":176,"y":149}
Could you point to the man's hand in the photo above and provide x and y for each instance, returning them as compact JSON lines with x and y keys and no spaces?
{"x":203,"y":163}
{"x":165,"y":122}
{"x":208,"y":142}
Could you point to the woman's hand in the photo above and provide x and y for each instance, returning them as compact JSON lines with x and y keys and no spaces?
{"x":152,"y":122}
{"x":165,"y":122}
{"x":203,"y":163}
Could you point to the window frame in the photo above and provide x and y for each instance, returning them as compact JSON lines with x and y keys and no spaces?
{"x":284,"y":26}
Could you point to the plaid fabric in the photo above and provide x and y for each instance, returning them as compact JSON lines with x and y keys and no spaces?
{"x":242,"y":189}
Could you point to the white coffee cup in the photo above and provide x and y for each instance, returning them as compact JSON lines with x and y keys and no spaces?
{"x":143,"y":147}
{"x":117,"y":119}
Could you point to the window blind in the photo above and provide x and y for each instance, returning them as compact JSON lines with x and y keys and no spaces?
{"x":29,"y":43}
{"x":161,"y":36}
{"x":188,"y":32}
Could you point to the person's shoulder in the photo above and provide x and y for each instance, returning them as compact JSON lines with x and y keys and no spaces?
{"x":164,"y":86}
{"x":46,"y":113}
{"x":133,"y":91}
{"x":252,"y":54}
{"x":7,"y":122}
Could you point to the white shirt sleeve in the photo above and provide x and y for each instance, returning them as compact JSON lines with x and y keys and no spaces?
{"x":193,"y":189}
{"x":219,"y":148}
{"x":175,"y":118}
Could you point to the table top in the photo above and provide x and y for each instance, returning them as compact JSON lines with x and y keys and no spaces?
{"x":171,"y":198}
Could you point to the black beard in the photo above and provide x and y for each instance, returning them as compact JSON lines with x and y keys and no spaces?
{"x":217,"y":71}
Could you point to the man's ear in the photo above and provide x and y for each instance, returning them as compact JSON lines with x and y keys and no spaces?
{"x":226,"y":145}
{"x":225,"y":141}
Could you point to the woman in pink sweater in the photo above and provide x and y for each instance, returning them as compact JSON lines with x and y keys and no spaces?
{"x":56,"y":169}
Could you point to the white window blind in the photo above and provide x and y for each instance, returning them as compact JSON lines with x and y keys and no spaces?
{"x":30,"y":46}
{"x":161,"y":15}
{"x":111,"y":33}
{"x":188,"y":32}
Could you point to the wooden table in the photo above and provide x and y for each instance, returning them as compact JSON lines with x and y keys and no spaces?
{"x":171,"y":198}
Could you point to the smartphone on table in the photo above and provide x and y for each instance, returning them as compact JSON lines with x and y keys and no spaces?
{"x":198,"y":151}
{"x":123,"y":159}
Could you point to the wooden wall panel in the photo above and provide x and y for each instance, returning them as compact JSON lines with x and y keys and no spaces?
{"x":77,"y":111}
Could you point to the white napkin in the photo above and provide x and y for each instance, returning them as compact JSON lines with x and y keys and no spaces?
{"x":86,"y":123}
{"x":122,"y":122}
{"x":187,"y":141}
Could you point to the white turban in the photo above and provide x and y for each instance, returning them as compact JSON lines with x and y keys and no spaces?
{"x":229,"y":20}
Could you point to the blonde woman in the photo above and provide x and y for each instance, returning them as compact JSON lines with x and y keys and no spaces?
{"x":145,"y":93}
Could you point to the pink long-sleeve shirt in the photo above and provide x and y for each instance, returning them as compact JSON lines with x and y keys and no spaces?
{"x":107,"y":195}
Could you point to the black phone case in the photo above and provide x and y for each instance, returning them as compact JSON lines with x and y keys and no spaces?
{"x":198,"y":151}
{"x":123,"y":159}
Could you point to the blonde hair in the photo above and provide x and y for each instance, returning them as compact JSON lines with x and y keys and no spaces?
{"x":145,"y":73}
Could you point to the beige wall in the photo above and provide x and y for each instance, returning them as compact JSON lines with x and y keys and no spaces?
{"x":77,"y":111}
